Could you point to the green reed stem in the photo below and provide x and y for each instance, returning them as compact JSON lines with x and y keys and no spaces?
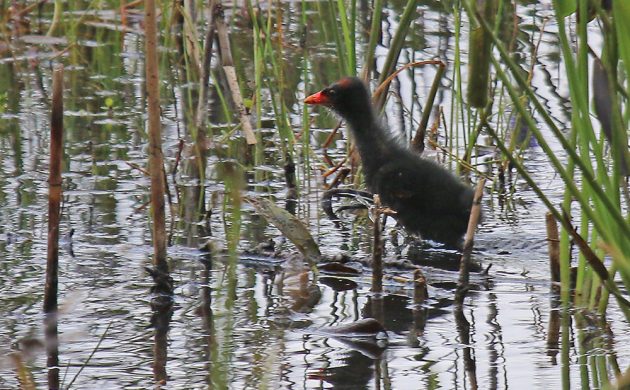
{"x":224,"y":106}
{"x":348,"y":38}
{"x":306,"y":128}
{"x":258,"y":65}
{"x":352,"y":52}
{"x":557,"y":214}
{"x":395,"y":47}
{"x":457,"y":97}
{"x":339,"y":45}
{"x":565,"y":351}
{"x":375,"y":30}
{"x":619,"y":221}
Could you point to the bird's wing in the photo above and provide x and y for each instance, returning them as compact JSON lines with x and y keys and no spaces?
{"x":420,"y":183}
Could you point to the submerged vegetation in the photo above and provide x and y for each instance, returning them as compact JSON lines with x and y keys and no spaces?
{"x":231,"y":84}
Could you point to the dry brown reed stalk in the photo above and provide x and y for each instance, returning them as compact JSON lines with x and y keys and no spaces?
{"x":464,"y":265}
{"x":54,"y":215}
{"x":331,"y":136}
{"x":335,"y":168}
{"x":54,"y":191}
{"x":384,"y":86}
{"x":553,"y":241}
{"x":156,"y":158}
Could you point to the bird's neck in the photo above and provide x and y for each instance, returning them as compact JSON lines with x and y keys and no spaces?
{"x":374,"y":144}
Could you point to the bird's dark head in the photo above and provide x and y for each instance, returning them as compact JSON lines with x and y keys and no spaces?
{"x":349,"y":97}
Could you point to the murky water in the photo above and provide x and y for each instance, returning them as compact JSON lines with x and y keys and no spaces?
{"x":253,"y":325}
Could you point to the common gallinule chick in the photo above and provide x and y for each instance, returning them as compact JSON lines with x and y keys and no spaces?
{"x":429,"y":200}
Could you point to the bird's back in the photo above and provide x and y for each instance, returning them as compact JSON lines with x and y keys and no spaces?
{"x":428,"y":198}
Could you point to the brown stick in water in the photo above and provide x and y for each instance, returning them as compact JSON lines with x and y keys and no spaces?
{"x":554,"y":247}
{"x":475,"y":214}
{"x":54,"y":215}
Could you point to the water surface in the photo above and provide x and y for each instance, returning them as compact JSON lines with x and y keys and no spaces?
{"x":246,"y":325}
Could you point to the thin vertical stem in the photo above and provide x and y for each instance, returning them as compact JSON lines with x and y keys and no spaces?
{"x":553,"y":244}
{"x":156,"y":159}
{"x":464,"y":265}
{"x":54,"y":213}
{"x":377,"y":250}
{"x":54,"y":188}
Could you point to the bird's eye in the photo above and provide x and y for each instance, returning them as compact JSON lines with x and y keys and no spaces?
{"x":331,"y":92}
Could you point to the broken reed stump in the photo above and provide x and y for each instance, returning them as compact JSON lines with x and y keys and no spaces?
{"x":54,"y":215}
{"x":419,"y":313}
{"x":464,"y":265}
{"x":553,"y":244}
{"x":420,"y":293}
{"x":156,"y":158}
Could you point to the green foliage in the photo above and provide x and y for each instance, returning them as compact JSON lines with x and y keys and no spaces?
{"x":566,"y":8}
{"x":621,"y":16}
{"x":4,"y":103}
{"x":604,"y":221}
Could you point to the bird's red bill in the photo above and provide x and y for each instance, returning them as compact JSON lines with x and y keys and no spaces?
{"x":317,"y":98}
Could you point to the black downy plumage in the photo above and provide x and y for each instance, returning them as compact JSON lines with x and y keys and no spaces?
{"x":429,"y":200}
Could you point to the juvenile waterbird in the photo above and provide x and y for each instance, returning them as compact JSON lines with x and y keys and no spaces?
{"x":428,"y":199}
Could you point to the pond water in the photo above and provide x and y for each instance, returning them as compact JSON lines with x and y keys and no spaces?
{"x":256,"y":324}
